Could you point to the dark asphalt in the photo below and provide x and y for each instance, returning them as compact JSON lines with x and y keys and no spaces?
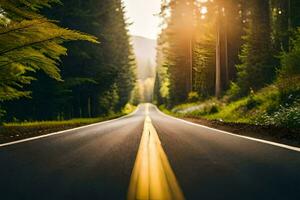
{"x":92,"y":163}
{"x":96,"y":163}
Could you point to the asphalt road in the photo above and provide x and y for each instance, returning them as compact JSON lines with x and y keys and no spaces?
{"x":96,"y":162}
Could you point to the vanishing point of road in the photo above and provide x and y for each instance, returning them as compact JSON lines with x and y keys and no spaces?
{"x":148,"y":155}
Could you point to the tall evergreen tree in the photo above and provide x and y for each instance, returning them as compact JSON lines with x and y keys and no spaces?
{"x":180,"y":49}
{"x":29,"y":43}
{"x":257,"y":68}
{"x":97,"y":78}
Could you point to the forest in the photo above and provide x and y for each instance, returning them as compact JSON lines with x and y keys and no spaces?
{"x":226,"y":60}
{"x":230,"y":60}
{"x":63,"y":59}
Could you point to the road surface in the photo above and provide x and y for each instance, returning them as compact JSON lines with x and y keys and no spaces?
{"x":105,"y":161}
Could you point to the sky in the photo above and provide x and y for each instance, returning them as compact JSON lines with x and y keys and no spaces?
{"x":141,"y":14}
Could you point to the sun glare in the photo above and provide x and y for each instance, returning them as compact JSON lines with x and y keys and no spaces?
{"x":203,"y":10}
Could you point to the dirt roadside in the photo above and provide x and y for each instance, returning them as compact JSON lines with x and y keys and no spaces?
{"x":270,"y":133}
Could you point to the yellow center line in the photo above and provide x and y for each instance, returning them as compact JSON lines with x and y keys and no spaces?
{"x":152,"y":176}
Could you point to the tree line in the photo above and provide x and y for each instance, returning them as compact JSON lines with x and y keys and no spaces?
{"x":64,"y":59}
{"x":227,"y":47}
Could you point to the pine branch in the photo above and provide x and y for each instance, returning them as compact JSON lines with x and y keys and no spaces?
{"x":24,"y":27}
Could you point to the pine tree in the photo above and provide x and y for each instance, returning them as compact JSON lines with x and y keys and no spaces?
{"x":280,"y":25}
{"x":289,"y":74}
{"x":97,"y":78}
{"x":192,"y":61}
{"x":180,"y":50}
{"x":257,"y":68}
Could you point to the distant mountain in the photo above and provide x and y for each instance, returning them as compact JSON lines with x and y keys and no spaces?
{"x":145,"y":52}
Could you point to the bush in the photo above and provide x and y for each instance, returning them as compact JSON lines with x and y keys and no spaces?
{"x":251,"y":102}
{"x":207,"y":109}
{"x":213,"y":109}
{"x":234,"y":92}
{"x":128,"y":108}
{"x":193,"y":97}
{"x":288,"y":117}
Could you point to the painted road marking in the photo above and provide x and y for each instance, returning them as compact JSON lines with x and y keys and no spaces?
{"x":152,"y":176}
{"x":236,"y":135}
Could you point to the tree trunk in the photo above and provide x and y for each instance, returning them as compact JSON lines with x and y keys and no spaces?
{"x":218,"y":58}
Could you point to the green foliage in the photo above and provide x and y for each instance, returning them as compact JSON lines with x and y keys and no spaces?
{"x":207,"y":109}
{"x":252,"y":102}
{"x":193,"y":97}
{"x":29,"y":43}
{"x":204,"y":63}
{"x":257,"y":66}
{"x":53,"y":123}
{"x":20,"y":130}
{"x":108,"y":100}
{"x":280,"y":25}
{"x":198,"y":109}
{"x":166,"y":110}
{"x":95,"y":79}
{"x":247,"y":109}
{"x":174,"y":51}
{"x":21,"y":9}
{"x":289,"y":74}
{"x":136,"y":96}
{"x":264,"y":107}
{"x":128,"y":108}
{"x":110,"y":65}
{"x":257,"y":94}
{"x":288,"y":117}
{"x":234,"y":91}
{"x":2,"y":113}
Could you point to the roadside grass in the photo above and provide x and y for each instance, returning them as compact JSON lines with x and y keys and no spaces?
{"x":54,"y":123}
{"x":20,"y":130}
{"x":128,"y":108}
{"x":265,"y":107}
{"x":169,"y":112}
{"x":265,"y":114}
{"x":232,"y":112}
{"x":185,"y":106}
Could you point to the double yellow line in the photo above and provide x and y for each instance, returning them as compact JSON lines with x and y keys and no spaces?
{"x":152,"y":176}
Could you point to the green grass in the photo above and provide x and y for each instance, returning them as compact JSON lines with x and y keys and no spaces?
{"x":265,"y":107}
{"x":169,"y":112}
{"x":127,"y":109}
{"x":232,"y":112}
{"x":56,"y":123}
{"x":185,"y":105}
{"x":20,"y":130}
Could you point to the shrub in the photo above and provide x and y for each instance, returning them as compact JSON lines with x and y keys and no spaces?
{"x":193,"y":97}
{"x":208,"y":109}
{"x":251,"y":102}
{"x":234,"y":92}
{"x":213,"y":109}
{"x":288,"y":117}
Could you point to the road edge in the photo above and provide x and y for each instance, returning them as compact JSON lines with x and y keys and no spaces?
{"x":297,"y":149}
{"x":65,"y":131}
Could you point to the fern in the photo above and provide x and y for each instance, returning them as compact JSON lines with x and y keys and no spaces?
{"x":30,"y":42}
